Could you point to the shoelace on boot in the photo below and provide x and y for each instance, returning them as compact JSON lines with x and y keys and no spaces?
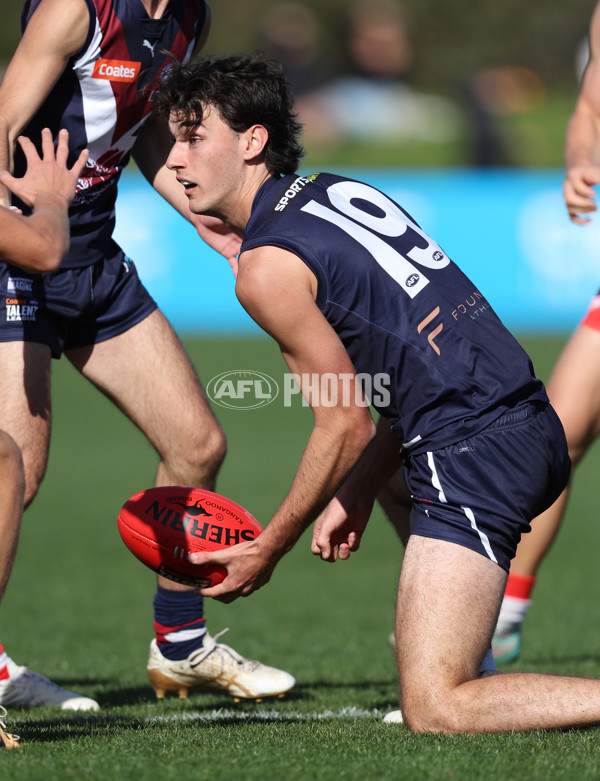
{"x":6,"y":739}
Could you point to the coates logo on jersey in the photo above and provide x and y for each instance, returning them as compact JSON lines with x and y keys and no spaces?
{"x":116,"y":70}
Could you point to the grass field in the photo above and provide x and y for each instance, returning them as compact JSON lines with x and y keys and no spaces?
{"x":79,"y":609}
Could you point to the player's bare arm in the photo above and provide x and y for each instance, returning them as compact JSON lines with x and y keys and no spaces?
{"x":338,"y":529}
{"x":57,"y":30}
{"x":39,"y":242}
{"x":278,"y":291}
{"x":582,"y":139}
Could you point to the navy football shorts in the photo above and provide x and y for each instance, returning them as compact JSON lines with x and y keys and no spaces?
{"x":72,"y":307}
{"x":483,"y":492}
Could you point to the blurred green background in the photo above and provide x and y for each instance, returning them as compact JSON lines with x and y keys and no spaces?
{"x":526,"y":51}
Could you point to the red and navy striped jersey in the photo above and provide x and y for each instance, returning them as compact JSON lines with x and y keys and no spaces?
{"x":103,"y":99}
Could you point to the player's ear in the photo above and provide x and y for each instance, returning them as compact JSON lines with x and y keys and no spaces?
{"x":255,"y":140}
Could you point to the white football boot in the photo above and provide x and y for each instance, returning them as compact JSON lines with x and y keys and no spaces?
{"x":26,"y":689}
{"x":216,"y":666}
{"x":6,"y":739}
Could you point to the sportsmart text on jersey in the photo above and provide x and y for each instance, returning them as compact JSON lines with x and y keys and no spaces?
{"x":295,"y":187}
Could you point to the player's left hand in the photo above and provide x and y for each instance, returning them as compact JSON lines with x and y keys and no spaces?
{"x":48,"y":174}
{"x":220,"y":237}
{"x":248,"y":565}
{"x":338,"y":530}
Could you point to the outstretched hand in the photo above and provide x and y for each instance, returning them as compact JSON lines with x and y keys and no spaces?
{"x":579,"y":193}
{"x":46,"y":175}
{"x":338,"y":531}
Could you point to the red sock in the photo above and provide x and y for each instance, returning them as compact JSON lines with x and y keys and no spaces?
{"x":519,"y":586}
{"x":4,"y":674}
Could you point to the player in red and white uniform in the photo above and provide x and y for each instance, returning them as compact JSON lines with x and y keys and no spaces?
{"x":90,"y":66}
{"x":574,"y":386}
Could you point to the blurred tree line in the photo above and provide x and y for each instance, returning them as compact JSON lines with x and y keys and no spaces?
{"x":451,"y":37}
{"x":452,"y":40}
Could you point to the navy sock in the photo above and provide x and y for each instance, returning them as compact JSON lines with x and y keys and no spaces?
{"x":179,"y":622}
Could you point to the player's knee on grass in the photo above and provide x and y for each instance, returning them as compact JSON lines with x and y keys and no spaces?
{"x":426,"y":710}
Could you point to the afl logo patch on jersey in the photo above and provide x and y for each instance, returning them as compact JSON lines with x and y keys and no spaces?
{"x":116,"y":70}
{"x":412,"y":280}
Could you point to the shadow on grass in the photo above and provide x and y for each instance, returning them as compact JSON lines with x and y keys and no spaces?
{"x":218,"y":712}
{"x":137,"y":695}
{"x":75,"y":728}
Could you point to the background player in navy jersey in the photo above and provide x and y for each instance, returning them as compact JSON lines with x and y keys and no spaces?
{"x":574,"y":386}
{"x":35,"y":243}
{"x":90,"y":66}
{"x":350,"y":286}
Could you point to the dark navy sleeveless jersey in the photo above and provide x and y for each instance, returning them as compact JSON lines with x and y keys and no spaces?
{"x":103,"y":99}
{"x":439,"y":360}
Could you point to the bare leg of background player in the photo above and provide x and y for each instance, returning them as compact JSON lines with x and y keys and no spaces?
{"x":12,"y":489}
{"x":574,"y":390}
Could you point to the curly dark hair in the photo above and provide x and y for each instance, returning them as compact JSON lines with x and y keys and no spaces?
{"x":246,"y":90}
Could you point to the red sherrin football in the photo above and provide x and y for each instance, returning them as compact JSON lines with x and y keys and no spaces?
{"x":160,"y":526}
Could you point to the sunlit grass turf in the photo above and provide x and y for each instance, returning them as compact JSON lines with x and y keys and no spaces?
{"x":79,"y":609}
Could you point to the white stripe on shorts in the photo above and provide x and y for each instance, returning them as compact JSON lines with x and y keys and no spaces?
{"x":435,"y":482}
{"x":482,"y":535}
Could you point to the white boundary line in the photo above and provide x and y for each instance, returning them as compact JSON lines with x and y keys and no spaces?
{"x":269,"y":714}
{"x":222,"y":715}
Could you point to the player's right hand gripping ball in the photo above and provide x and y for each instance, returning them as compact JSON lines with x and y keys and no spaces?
{"x":160,"y":526}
